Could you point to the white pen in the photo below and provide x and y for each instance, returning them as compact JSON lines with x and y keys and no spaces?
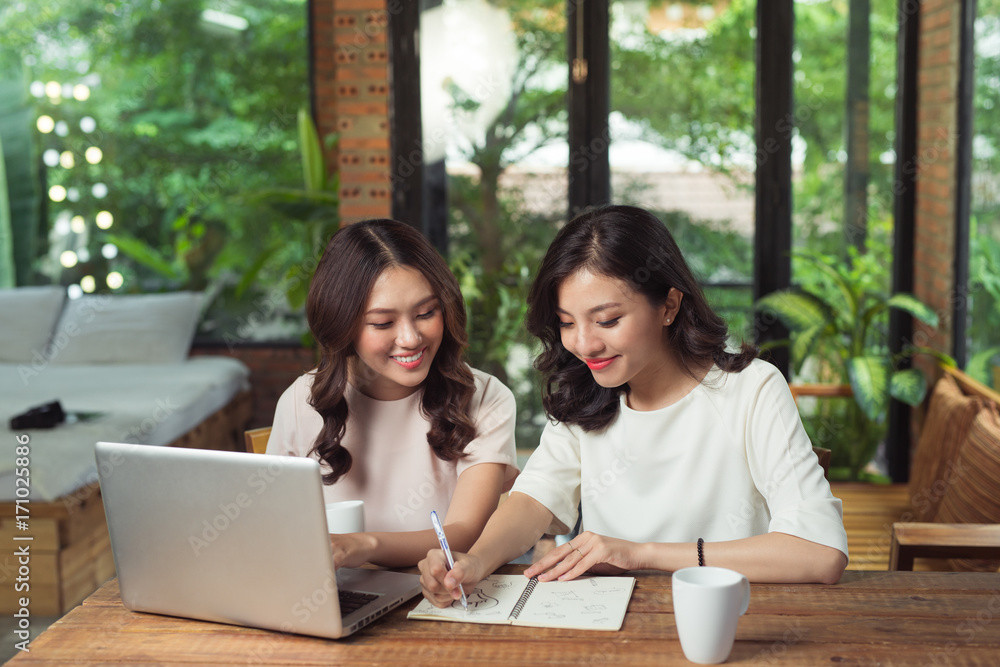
{"x":439,"y":529}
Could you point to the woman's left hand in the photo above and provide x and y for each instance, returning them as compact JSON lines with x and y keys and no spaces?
{"x":352,"y":549}
{"x":588,"y":552}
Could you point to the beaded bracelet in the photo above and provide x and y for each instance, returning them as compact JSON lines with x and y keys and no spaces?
{"x":701,"y":552}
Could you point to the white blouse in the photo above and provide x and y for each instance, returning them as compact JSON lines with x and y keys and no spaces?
{"x":729,"y":460}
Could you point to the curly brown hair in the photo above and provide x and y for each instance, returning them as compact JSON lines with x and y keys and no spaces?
{"x":632,"y":245}
{"x":353,"y":260}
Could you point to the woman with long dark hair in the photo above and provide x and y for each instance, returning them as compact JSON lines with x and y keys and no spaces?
{"x":393,"y":412}
{"x":678,"y":450}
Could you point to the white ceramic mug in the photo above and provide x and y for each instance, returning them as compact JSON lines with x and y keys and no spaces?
{"x":347,"y":516}
{"x":708,"y":603}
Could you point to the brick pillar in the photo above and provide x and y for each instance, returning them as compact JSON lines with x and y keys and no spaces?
{"x":934,"y":275}
{"x":351,"y":93}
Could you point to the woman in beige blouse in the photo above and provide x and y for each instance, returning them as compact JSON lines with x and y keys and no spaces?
{"x":393,"y":412}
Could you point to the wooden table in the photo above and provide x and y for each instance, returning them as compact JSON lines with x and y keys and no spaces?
{"x":887,"y":618}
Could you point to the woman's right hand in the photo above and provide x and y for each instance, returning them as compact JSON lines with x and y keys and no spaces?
{"x":442,"y":586}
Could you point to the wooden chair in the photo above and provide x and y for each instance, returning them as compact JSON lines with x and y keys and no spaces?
{"x":821,"y":390}
{"x":824,"y":459}
{"x":942,"y":540}
{"x":256,"y":439}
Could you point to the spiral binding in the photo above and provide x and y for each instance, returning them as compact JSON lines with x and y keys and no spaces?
{"x":523,"y":600}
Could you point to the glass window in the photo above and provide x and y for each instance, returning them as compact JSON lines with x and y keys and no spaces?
{"x":159,"y":125}
{"x":682,"y":135}
{"x":984,"y":227}
{"x":493,"y":96}
{"x":843,"y":150}
{"x":843,"y":162}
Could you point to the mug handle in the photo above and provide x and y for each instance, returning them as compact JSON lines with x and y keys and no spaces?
{"x":746,"y":595}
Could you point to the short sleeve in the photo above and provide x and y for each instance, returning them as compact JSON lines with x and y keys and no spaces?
{"x":495,"y":414}
{"x":286,"y":437}
{"x":786,"y":471}
{"x":552,"y":476}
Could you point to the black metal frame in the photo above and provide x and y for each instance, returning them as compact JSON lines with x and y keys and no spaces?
{"x":405,"y":130}
{"x":589,"y":102}
{"x":904,"y":216}
{"x":773,"y":193}
{"x":963,"y":178}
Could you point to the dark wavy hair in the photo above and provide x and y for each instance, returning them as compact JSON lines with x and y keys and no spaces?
{"x":632,"y":245}
{"x":353,"y":260}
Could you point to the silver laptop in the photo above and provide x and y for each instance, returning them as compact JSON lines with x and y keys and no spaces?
{"x":234,"y":538}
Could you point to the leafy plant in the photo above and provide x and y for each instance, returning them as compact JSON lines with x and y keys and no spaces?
{"x":6,"y":238}
{"x":984,"y":293}
{"x":980,"y":364}
{"x":310,"y":215}
{"x":842,"y":329}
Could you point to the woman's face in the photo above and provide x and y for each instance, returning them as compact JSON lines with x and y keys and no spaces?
{"x":612,"y":328}
{"x":401,"y":331}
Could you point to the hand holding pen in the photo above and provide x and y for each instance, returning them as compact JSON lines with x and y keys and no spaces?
{"x":439,"y":529}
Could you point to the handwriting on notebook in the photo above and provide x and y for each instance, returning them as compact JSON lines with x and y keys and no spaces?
{"x":593,"y":603}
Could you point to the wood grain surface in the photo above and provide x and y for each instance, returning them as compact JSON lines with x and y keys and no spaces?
{"x":869,"y":618}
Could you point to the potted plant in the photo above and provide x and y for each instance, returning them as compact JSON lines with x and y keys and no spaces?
{"x":837,"y":321}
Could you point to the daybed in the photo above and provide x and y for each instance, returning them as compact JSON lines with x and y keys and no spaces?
{"x":120,"y":363}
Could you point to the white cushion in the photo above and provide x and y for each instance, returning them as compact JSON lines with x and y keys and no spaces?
{"x":27,"y":317}
{"x":141,"y":328}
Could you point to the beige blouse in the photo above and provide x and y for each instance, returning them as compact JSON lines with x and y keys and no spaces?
{"x":395,"y":472}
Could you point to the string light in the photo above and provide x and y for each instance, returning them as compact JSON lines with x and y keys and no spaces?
{"x":104,"y":220}
{"x":115,"y":280}
{"x":45,"y":124}
{"x":68,"y":259}
{"x":93,"y":155}
{"x":57,"y":193}
{"x":78,"y":225}
{"x":67,"y":160}
{"x":88,"y":284}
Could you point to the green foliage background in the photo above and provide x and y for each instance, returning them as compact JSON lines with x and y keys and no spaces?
{"x":190,"y":119}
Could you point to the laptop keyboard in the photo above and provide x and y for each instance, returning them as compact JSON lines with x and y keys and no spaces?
{"x":351,"y":601}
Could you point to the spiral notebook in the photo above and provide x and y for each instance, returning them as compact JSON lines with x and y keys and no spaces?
{"x":592,"y":603}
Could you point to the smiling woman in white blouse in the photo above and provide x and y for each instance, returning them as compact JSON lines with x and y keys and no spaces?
{"x":676,"y":450}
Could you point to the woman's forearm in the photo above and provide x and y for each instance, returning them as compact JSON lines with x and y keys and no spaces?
{"x":405,"y":549}
{"x":513,"y":529}
{"x":770,"y":558}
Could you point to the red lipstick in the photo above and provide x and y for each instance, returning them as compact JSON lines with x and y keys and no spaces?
{"x":598,"y":364}
{"x":414,"y":360}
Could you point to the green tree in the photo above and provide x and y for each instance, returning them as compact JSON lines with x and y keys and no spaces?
{"x":189,"y":116}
